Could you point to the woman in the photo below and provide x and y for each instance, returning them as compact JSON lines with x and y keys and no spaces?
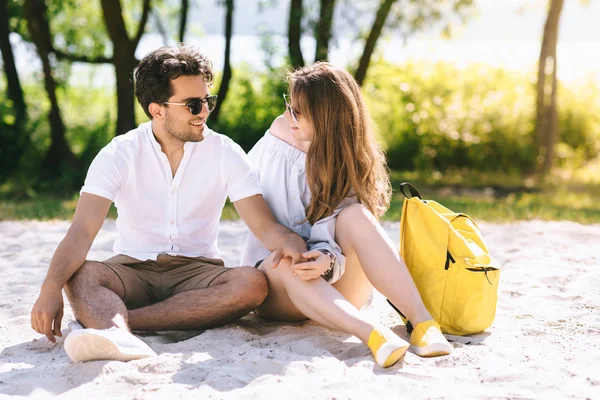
{"x":324,"y":176}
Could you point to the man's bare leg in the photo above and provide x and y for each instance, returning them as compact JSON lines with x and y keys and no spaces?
{"x":95,"y":293}
{"x":96,"y":296}
{"x":231,"y":295}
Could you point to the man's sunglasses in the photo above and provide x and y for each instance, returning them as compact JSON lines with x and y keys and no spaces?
{"x":195,"y":105}
{"x":288,"y":104}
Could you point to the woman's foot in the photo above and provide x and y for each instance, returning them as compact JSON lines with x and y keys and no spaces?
{"x":427,"y":340}
{"x":387,"y":347}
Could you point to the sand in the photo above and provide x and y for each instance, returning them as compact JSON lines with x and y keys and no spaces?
{"x":545,"y":342}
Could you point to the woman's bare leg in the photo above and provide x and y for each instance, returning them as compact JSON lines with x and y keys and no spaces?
{"x":293,"y":299}
{"x":372,"y":255}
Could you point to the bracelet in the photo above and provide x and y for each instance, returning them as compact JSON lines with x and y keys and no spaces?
{"x":328,"y":274}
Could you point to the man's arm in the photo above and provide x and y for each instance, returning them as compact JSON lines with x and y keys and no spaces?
{"x":70,"y":254}
{"x":256,"y":214}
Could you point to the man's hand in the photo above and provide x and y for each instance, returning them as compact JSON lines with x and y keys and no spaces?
{"x":282,"y":241}
{"x":316,"y":265}
{"x":293,"y":248}
{"x":47,"y":313}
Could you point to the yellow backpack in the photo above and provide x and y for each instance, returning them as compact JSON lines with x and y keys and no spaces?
{"x":450,"y":264}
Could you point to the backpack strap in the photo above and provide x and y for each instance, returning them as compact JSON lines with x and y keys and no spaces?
{"x":409,"y":327}
{"x":412,"y":190}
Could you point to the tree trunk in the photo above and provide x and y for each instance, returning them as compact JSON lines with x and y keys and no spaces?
{"x":124,"y":66}
{"x":59,"y":158}
{"x":295,"y":34}
{"x":185,"y":5}
{"x":15,"y":91}
{"x":124,"y":59}
{"x":323,"y":29}
{"x":365,"y":59}
{"x":546,"y":127}
{"x":227,"y":72}
{"x":13,"y":134}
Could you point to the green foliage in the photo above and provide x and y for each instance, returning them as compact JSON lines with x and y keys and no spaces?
{"x":69,"y":23}
{"x":89,"y":116}
{"x":579,"y":107}
{"x":253,"y":102}
{"x":16,"y":20}
{"x":468,"y":128}
{"x":437,"y":117}
{"x":13,"y":138}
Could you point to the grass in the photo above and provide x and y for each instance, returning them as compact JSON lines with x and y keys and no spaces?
{"x":485,"y":197}
{"x":501,"y":198}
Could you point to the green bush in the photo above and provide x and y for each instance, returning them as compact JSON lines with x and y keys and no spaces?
{"x":430,"y":117}
{"x":439,"y":117}
{"x":253,"y":102}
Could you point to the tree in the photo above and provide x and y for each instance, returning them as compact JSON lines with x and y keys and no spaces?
{"x":295,"y":33}
{"x":124,"y":58}
{"x":59,"y":157}
{"x":185,"y":5}
{"x":15,"y":91}
{"x":546,"y":125}
{"x":323,"y":29}
{"x":12,"y":133}
{"x":227,"y":72}
{"x":375,"y":33}
{"x":403,"y":18}
{"x":406,"y":18}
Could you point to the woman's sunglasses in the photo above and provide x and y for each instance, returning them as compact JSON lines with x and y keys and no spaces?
{"x":195,"y":105}
{"x":288,"y":104}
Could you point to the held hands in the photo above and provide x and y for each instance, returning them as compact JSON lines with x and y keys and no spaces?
{"x":317,"y":263}
{"x":293,"y":248}
{"x":47,"y":313}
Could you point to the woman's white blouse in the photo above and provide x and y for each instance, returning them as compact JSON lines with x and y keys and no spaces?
{"x":282,"y":177}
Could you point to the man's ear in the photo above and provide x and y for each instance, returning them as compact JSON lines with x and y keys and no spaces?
{"x":156,"y":111}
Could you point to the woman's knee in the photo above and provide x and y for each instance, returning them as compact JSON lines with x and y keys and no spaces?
{"x":352,"y":223}
{"x":355,"y":214}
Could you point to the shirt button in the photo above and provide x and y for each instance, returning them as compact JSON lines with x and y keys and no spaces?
{"x":172,"y":222}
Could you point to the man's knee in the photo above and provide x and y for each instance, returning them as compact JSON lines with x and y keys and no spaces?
{"x":249,"y":285}
{"x":81,"y":277}
{"x":91,"y":273}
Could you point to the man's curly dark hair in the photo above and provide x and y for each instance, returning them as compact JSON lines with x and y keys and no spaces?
{"x":155,"y":71}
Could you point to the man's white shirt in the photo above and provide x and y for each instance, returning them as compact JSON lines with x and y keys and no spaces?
{"x":159,"y":213}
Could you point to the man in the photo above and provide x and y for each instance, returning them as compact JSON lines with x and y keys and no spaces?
{"x":169,"y":179}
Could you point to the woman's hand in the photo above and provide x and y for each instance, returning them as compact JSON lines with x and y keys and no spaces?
{"x":317,"y":263}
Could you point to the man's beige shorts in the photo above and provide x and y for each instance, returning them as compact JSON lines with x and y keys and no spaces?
{"x":148,"y":282}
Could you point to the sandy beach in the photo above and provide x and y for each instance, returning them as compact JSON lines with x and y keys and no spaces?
{"x":544,"y":344}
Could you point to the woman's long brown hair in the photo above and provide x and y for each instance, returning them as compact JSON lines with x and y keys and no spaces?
{"x":344,"y":158}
